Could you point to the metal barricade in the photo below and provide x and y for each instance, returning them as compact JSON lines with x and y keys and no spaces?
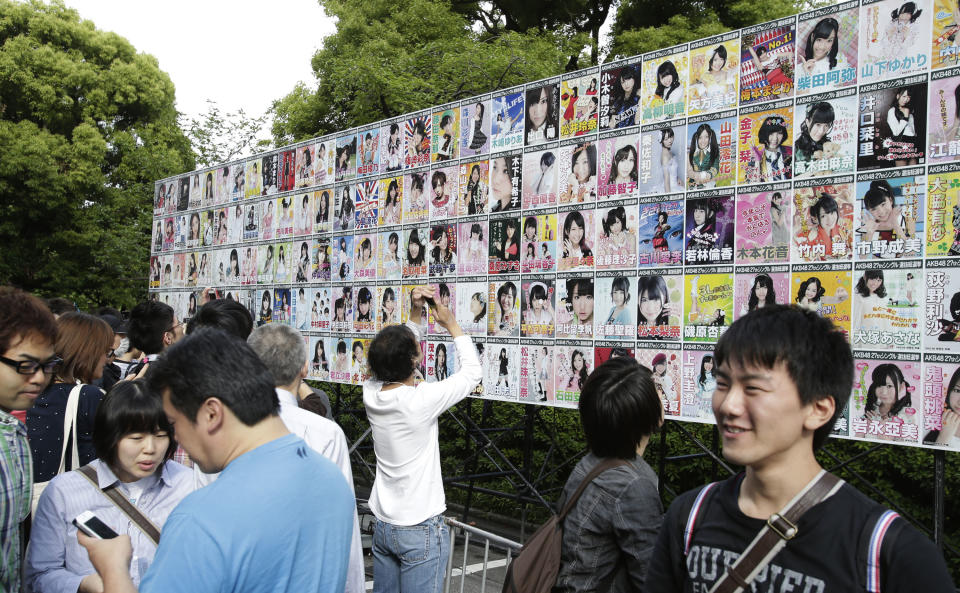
{"x":476,"y":537}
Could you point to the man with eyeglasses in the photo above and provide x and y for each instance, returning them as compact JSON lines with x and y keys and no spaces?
{"x":28,"y":332}
{"x":153,"y":328}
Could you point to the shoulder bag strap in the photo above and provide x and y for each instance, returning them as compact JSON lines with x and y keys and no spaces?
{"x":70,"y":428}
{"x":601,"y":467}
{"x":780,"y":528}
{"x":118,"y":499}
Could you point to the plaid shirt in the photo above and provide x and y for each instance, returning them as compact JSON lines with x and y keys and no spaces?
{"x":16,"y":490}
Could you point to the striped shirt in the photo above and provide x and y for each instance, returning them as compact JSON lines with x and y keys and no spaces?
{"x":16,"y":489}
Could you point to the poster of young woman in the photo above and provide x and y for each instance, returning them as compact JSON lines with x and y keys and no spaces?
{"x":368,"y":151}
{"x":616,"y":235}
{"x":471,"y":307}
{"x":765,"y":147}
{"x":825,"y":134}
{"x":662,"y":158}
{"x":943,"y":210}
{"x":711,"y":159}
{"x":416,"y":141}
{"x":825,"y":289}
{"x":886,"y":308}
{"x":827,"y":41}
{"x":503,"y":306}
{"x":893,"y":124}
{"x":541,"y":120}
{"x":886,"y":403}
{"x":507,"y":120}
{"x":699,"y":382}
{"x":894,"y":38}
{"x":620,"y":94}
{"x":707,"y":303}
{"x":615,"y":301}
{"x":538,"y":244}
{"x":941,"y":401}
{"x":387,"y":307}
{"x":536,"y":372}
{"x":660,"y":232}
{"x":324,"y":155}
{"x":763,"y":223}
{"x":766,"y":60}
{"x":659,"y":304}
{"x":890,"y":217}
{"x":474,"y":248}
{"x":714,"y":73}
{"x":305,"y":162}
{"x":664,"y":84}
{"x":540,"y":176}
{"x":501,"y":370}
{"x":538,"y":298}
{"x":823,"y":220}
{"x":756,"y":287}
{"x":573,"y":362}
{"x":475,"y":127}
{"x":446,"y":295}
{"x":617,"y":165}
{"x":474,"y":192}
{"x":579,"y":102}
{"x":664,"y":361}
{"x":710,"y":229}
{"x":446,"y":133}
{"x":941,"y":323}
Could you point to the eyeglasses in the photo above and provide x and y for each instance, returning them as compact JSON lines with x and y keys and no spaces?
{"x":30,"y":367}
{"x":174,"y":327}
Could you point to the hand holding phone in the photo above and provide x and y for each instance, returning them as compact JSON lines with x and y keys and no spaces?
{"x":91,"y":525}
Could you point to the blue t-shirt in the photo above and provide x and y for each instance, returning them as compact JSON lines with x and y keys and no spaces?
{"x":278,"y":519}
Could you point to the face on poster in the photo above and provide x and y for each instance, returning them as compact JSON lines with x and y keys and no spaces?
{"x":286,"y":170}
{"x":540,"y":178}
{"x":893,"y":127}
{"x":665,"y":367}
{"x":755,"y":291}
{"x":763,"y":227}
{"x":943,"y":215}
{"x":764,"y":151}
{"x":699,"y":382}
{"x":894,"y":39}
{"x":616,"y":233}
{"x":358,"y":361}
{"x":319,"y":361}
{"x":662,"y":161}
{"x":474,"y":248}
{"x":368,"y":152}
{"x":663,"y":91}
{"x":446,"y":132}
{"x":252,"y":174}
{"x":265,"y":311}
{"x":443,"y":250}
{"x":504,"y":252}
{"x":827,"y":51}
{"x":446,"y":295}
{"x":238,"y":181}
{"x":766,"y":64}
{"x":882,"y":403}
{"x":502,"y":376}
{"x":474,"y":191}
{"x":320,"y":260}
{"x":265,"y":263}
{"x":391,"y":200}
{"x":344,"y":219}
{"x":539,"y":244}
{"x":367,"y":200}
{"x":249,"y":268}
{"x":536,"y":374}
{"x":323,"y":222}
{"x":405,"y":304}
{"x":618,"y":167}
{"x":941,"y":405}
{"x":508,"y":119}
{"x":284,"y":217}
{"x":303,"y":214}
{"x":441,"y":360}
{"x":391,"y":147}
{"x":301,"y":263}
{"x":305,"y":164}
{"x":342,"y":264}
{"x":710,"y":224}
{"x":444,"y":192}
{"x":389,"y":261}
{"x":659,"y":312}
{"x":343,"y":314}
{"x":471,"y":309}
{"x":827,"y":293}
{"x":572,"y":366}
{"x":537,"y":298}
{"x":415,"y":252}
{"x":363,"y":310}
{"x":281,"y":306}
{"x":943,"y":139}
{"x":577,"y":176}
{"x":196,"y":192}
{"x":475,"y":128}
{"x":711,"y":156}
{"x":575,"y":307}
{"x":321,"y":311}
{"x":660,"y":232}
{"x":620,"y":96}
{"x":616,"y":313}
{"x":579,"y":105}
{"x":182,"y":232}
{"x":416,"y":132}
{"x":884,"y":316}
{"x":207,"y":199}
{"x":576,"y":240}
{"x":542,"y":110}
{"x":415,"y":197}
{"x":283,"y":271}
{"x":345,"y":163}
{"x":503,"y":304}
{"x":364,"y":260}
{"x":388,"y":311}
{"x":505,"y":182}
{"x":822,"y":222}
{"x":890,"y":218}
{"x":941,"y":324}
{"x":708,"y":303}
{"x":301,"y":299}
{"x":714,"y":71}
{"x":324,"y":155}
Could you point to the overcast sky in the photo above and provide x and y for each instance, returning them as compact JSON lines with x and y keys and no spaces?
{"x":239,"y":53}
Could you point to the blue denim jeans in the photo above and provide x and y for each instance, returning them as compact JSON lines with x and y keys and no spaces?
{"x":410,"y":559}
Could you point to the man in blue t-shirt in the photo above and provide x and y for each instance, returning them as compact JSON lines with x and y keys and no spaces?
{"x":279,"y":518}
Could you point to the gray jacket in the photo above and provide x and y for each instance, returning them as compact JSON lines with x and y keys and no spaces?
{"x":610,"y":534}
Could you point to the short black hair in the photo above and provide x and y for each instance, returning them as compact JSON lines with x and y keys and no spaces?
{"x":148,"y":322}
{"x":391,"y":354}
{"x":128,"y":407}
{"x":813,"y":350}
{"x":212,"y":363}
{"x":619,"y":406}
{"x":226,"y":314}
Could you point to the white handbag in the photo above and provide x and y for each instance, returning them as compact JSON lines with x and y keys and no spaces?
{"x":69,"y":428}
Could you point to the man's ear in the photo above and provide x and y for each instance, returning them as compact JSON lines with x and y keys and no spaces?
{"x":305,"y":370}
{"x":211,"y":415}
{"x":821,"y":411}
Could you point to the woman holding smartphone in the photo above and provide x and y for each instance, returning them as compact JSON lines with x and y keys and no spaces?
{"x":134,"y":443}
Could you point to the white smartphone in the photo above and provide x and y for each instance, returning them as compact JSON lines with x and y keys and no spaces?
{"x":88,"y":523}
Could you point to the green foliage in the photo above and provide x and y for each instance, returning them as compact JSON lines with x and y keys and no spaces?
{"x":388,"y":58}
{"x":86,"y":125}
{"x":645,"y":25}
{"x":220,"y":137}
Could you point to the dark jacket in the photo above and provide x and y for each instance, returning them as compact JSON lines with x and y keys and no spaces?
{"x":610,"y":534}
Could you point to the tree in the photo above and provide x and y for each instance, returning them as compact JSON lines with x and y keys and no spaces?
{"x":220,"y":137}
{"x":645,"y":25}
{"x":86,"y":125}
{"x":390,"y":57}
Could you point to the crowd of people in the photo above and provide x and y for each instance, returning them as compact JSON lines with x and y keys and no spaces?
{"x":205,"y":432}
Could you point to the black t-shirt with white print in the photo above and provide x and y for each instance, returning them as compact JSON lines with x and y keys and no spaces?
{"x":828,"y":553}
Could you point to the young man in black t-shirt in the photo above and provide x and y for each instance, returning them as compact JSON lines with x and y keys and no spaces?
{"x":783,"y":377}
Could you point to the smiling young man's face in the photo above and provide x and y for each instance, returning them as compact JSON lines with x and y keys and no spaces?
{"x":760,"y":416}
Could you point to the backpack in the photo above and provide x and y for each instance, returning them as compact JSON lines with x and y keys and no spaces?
{"x":880,"y":526}
{"x":535,"y":568}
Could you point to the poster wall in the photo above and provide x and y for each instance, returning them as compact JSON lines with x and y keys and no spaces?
{"x":637,"y":208}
